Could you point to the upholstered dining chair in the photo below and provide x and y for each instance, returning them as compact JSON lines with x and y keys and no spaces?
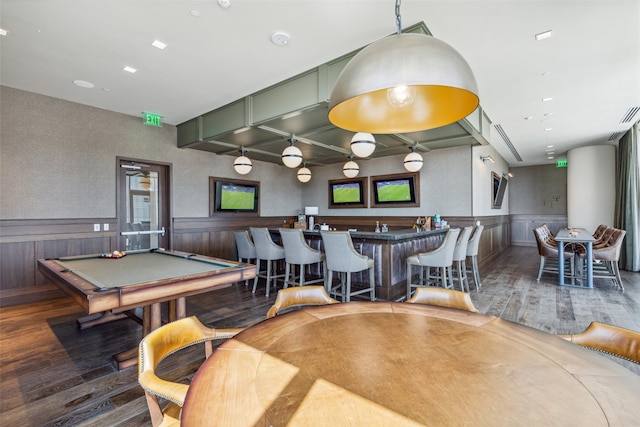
{"x":440,"y":258}
{"x":266,"y":250}
{"x":610,"y":339}
{"x":460,"y":256}
{"x":472,"y":254}
{"x":246,"y":248}
{"x":299,"y":296}
{"x":432,"y":295}
{"x":298,"y":252}
{"x":606,"y":256}
{"x":344,"y":259}
{"x":159,"y":344}
{"x":548,"y":249}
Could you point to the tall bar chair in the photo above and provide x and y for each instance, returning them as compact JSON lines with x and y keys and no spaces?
{"x":246,"y":248}
{"x":440,"y":258}
{"x":459,"y":258}
{"x":266,"y":250}
{"x":344,"y":259}
{"x":298,"y":252}
{"x":472,"y":254}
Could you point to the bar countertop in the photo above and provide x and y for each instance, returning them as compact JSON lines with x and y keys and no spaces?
{"x":388,"y":235}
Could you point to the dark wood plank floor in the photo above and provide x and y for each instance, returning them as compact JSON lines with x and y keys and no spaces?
{"x":52,"y":374}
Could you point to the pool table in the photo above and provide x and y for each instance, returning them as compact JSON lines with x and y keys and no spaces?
{"x":109,"y":288}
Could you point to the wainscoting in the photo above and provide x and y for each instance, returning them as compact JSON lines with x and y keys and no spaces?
{"x":522,"y":227}
{"x":23,"y":242}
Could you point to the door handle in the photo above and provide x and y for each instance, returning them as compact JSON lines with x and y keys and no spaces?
{"x":138,"y":233}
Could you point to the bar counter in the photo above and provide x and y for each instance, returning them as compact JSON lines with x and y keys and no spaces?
{"x":389,"y":251}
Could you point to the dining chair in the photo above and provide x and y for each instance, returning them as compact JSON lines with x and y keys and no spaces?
{"x":159,"y":344}
{"x":459,"y":265}
{"x":472,"y":254}
{"x":548,"y":249}
{"x":614,"y":340}
{"x":266,"y":250}
{"x":606,"y":256}
{"x":298,"y":252}
{"x":440,"y":258}
{"x":299,"y":296}
{"x":245,"y":247}
{"x":441,"y":297}
{"x":342,"y":258}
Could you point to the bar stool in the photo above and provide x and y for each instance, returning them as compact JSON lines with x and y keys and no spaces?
{"x":266,"y":250}
{"x":472,"y":253}
{"x":298,"y":252}
{"x":441,"y":257}
{"x":344,"y":259}
{"x":246,"y":248}
{"x":460,"y":256}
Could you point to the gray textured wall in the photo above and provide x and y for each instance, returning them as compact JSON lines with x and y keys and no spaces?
{"x":538,"y":190}
{"x":58,"y":160}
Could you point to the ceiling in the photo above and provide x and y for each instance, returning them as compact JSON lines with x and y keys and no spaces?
{"x":590,"y":65}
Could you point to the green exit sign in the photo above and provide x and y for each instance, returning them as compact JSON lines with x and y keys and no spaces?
{"x":561,"y":164}
{"x":152,"y":119}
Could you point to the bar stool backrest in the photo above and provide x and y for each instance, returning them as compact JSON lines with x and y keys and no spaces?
{"x":296,"y":249}
{"x":246,"y":248}
{"x":266,"y":248}
{"x":340,"y":253}
{"x":460,"y":250}
{"x":474,"y":241}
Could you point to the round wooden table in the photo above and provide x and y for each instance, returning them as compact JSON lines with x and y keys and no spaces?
{"x":400,"y":364}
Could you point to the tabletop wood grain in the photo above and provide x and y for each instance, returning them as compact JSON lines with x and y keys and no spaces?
{"x":381,"y":364}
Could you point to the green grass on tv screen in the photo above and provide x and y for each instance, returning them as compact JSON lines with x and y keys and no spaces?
{"x":346,"y":193}
{"x":236,"y":197}
{"x":395,"y":191}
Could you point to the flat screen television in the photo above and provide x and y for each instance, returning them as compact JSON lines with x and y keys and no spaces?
{"x":347,"y":193}
{"x":395,"y":190}
{"x":499,"y":189}
{"x":235,"y":196}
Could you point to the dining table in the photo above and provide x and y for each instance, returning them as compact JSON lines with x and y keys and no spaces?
{"x":404,"y":364}
{"x":575,"y":236}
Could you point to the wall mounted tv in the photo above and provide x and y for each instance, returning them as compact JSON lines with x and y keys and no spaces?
{"x":397,"y":190}
{"x":234,"y":196}
{"x":348,"y":193}
{"x":498,"y":188}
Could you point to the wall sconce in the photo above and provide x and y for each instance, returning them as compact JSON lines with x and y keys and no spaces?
{"x":304,"y":173}
{"x":485,"y":158}
{"x":242,"y":164}
{"x":292,"y":156}
{"x":363,"y":144}
{"x":351,"y":168}
{"x":413,"y":161}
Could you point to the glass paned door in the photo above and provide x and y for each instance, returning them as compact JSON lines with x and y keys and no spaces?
{"x":142,"y":201}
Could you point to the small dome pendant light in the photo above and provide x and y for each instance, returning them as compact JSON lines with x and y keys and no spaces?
{"x":363,"y":144}
{"x":403,"y":83}
{"x":292,"y":156}
{"x":413,"y":161}
{"x":242,"y":164}
{"x":351,"y":168}
{"x":304,"y":173}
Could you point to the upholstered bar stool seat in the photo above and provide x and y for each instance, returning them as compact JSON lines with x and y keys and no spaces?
{"x":344,"y":259}
{"x":245,"y":247}
{"x":298,"y":252}
{"x":472,"y":254}
{"x":266,"y":250}
{"x":440,"y":258}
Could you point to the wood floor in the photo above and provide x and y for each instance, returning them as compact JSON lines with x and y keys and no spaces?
{"x":52,"y":374}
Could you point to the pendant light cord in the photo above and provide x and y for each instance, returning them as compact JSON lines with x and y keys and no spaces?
{"x":398,"y":19}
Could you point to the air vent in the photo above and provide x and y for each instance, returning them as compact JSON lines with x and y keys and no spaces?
{"x":615,"y":136}
{"x":628,"y":117}
{"x":507,"y":141}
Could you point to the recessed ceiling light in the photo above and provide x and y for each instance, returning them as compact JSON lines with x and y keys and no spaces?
{"x":550,"y":157}
{"x":158,"y":44}
{"x":84,"y":84}
{"x":280,"y":38}
{"x":224,"y":3}
{"x":195,"y":13}
{"x":543,"y":35}
{"x":106,"y":89}
{"x":548,"y":129}
{"x":546,"y":74}
{"x":549,"y":146}
{"x":3,"y":32}
{"x":130,"y":69}
{"x":547,"y":99}
{"x":529,"y":118}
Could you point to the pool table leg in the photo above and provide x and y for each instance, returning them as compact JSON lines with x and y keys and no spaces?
{"x":91,"y":320}
{"x":177,"y":309}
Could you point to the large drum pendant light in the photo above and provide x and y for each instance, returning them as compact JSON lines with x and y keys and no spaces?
{"x":403,"y":83}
